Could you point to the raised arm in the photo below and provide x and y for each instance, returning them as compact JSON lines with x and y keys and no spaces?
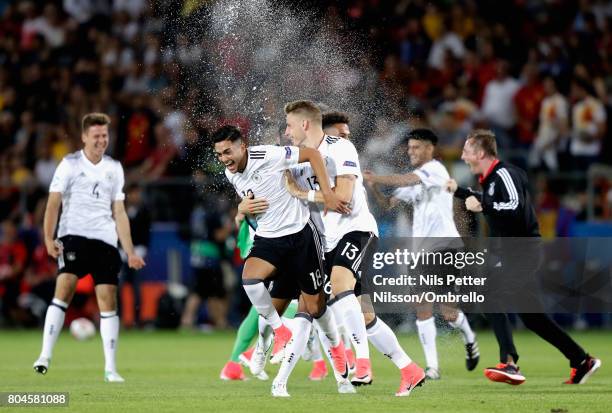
{"x":380,"y":198}
{"x":396,"y":180}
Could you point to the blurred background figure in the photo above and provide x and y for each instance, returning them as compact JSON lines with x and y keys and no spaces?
{"x":140,"y":225}
{"x":209,"y":231}
{"x":13,"y":258}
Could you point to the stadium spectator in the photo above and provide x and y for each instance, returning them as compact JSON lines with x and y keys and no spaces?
{"x":448,"y":41}
{"x":553,"y":127}
{"x":13,"y":258}
{"x":39,"y":278}
{"x":45,"y":164}
{"x":140,"y":226}
{"x":527,"y":103}
{"x":498,"y":105}
{"x":208,"y":234}
{"x":588,"y":125}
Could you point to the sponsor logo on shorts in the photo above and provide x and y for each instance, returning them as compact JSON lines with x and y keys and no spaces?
{"x":71,"y":256}
{"x":350,"y":163}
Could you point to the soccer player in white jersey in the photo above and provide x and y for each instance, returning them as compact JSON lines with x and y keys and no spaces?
{"x":378,"y":332}
{"x":284,"y":289}
{"x":286,"y":241}
{"x":424,"y":188}
{"x":348,"y":237}
{"x":89,"y":187}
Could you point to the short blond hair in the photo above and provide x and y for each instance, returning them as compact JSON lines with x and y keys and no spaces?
{"x":485,"y":140}
{"x":305,"y":108}
{"x":94,"y":119}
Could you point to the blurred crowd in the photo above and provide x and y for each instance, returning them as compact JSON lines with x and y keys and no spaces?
{"x":537,"y":72}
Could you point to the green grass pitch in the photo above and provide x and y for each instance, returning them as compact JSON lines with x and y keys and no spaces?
{"x":169,"y":371}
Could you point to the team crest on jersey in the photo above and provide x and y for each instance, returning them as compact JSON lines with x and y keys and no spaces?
{"x":256,"y":177}
{"x":109,"y":176}
{"x":491,"y":189}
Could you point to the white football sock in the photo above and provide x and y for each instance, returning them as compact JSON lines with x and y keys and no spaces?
{"x":109,"y":331}
{"x":265,"y":331}
{"x":326,"y":323}
{"x":463,"y":325}
{"x":54,"y":321}
{"x":313,"y":343}
{"x":385,"y":341}
{"x":340,"y":324}
{"x":295,"y":347}
{"x":427,"y":335}
{"x":350,"y":309}
{"x":261,"y":300}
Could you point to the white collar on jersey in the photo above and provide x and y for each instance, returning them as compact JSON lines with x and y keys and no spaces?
{"x":90,"y":163}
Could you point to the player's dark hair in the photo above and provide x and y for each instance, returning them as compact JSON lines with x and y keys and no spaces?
{"x":228,"y":133}
{"x":485,"y":140}
{"x":331,"y":118}
{"x":304,"y":108}
{"x":94,"y":119}
{"x":422,"y":134}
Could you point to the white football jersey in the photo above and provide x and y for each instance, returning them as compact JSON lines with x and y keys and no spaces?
{"x":306,"y":179}
{"x":343,"y":160}
{"x":263,"y":177}
{"x":433,"y":204}
{"x":586,"y":114}
{"x":88,"y":191}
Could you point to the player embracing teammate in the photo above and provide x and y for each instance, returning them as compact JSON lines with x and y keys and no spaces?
{"x":349,"y":239}
{"x":286,"y":244}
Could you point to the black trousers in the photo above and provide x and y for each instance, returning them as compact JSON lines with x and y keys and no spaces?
{"x":543,"y":326}
{"x":518,"y":281}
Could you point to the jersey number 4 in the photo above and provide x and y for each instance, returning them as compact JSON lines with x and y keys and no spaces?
{"x":95,"y":191}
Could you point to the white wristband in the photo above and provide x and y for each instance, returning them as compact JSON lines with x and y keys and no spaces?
{"x":311,"y":195}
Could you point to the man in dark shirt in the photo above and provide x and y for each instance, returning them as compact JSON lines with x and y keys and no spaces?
{"x":507,"y":208}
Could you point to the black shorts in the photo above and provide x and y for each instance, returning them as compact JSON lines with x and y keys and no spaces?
{"x":297,"y":257}
{"x":208,"y":282}
{"x":353,"y":249}
{"x":82,"y":256}
{"x":284,"y":286}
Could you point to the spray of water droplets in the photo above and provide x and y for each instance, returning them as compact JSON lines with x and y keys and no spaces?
{"x":263,"y":55}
